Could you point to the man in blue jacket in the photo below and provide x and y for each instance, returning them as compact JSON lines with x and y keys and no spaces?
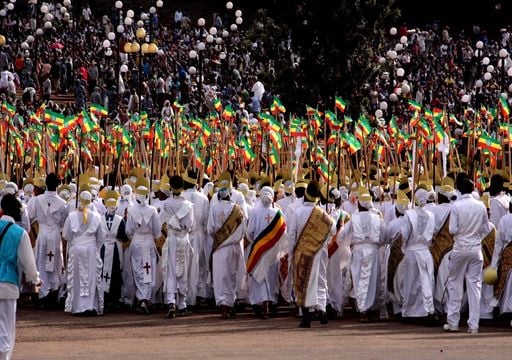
{"x":16,"y":258}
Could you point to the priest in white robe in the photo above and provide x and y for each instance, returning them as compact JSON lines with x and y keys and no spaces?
{"x":50,"y":212}
{"x":265,"y":230}
{"x":199,"y":286}
{"x":366,"y":231}
{"x":177,"y":251}
{"x":84,"y":233}
{"x":143,"y":227}
{"x":417,"y":232}
{"x":227,"y":226}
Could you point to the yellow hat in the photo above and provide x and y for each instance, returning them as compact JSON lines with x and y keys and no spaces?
{"x":401,"y":198}
{"x":448,"y":181}
{"x":301,"y":183}
{"x":312,"y":191}
{"x":277,"y":185}
{"x":363,"y":194}
{"x":224,"y":181}
{"x":142,"y":186}
{"x":110,"y":198}
{"x":40,"y":182}
{"x":188,"y":176}
{"x":164,"y":183}
{"x":288,"y":186}
{"x":325,"y":194}
{"x":490,"y":276}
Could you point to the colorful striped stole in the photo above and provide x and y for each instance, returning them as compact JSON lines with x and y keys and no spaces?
{"x":266,"y":241}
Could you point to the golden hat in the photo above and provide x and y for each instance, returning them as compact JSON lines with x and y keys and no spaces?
{"x":224,"y":180}
{"x":363,"y":194}
{"x":278,"y":184}
{"x":142,"y":186}
{"x":448,"y":181}
{"x":164,"y":183}
{"x":301,"y":183}
{"x":401,"y":198}
{"x":188,"y":177}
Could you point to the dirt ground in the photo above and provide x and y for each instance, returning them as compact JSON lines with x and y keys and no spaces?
{"x":44,"y":334}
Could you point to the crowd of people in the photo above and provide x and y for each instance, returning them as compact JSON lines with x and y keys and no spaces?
{"x":410,"y":247}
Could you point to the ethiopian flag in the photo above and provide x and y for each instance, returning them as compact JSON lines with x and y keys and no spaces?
{"x":364,"y":125}
{"x":340,"y":104}
{"x":217,"y":104}
{"x":414,"y":106}
{"x":487,"y":142}
{"x":505,"y":109}
{"x":97,"y":109}
{"x":277,"y":106}
{"x":228,"y":113}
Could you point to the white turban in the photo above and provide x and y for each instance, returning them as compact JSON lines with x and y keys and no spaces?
{"x":421,"y":197}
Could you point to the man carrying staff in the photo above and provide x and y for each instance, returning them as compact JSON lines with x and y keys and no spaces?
{"x":309,"y":229}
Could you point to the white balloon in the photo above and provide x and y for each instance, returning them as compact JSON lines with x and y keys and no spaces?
{"x":403,"y":39}
{"x":106,"y":43}
{"x":399,"y":47}
{"x":192,"y":54}
{"x":487,"y":76}
{"x":378,"y":113}
{"x":490,"y":68}
{"x":485,"y":61}
{"x":400,"y":72}
{"x":192,"y":70}
{"x":393,"y":31}
{"x":383,"y":105}
{"x":130,"y":13}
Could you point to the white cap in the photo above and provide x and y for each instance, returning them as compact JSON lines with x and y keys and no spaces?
{"x":126,"y":190}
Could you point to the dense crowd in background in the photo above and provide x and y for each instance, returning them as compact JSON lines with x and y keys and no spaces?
{"x":440,"y":65}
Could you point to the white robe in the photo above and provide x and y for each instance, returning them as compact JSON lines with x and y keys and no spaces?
{"x":198,"y":240}
{"x":50,"y":211}
{"x":417,"y":232}
{"x":109,"y":245}
{"x":85,"y":292}
{"x":228,"y":258}
{"x":263,"y":282}
{"x":177,"y":252}
{"x":7,"y":327}
{"x":366,"y":231}
{"x":393,"y":231}
{"x":338,"y":269}
{"x":316,"y":295}
{"x":143,"y":227}
{"x":498,"y":208}
{"x":503,"y":238}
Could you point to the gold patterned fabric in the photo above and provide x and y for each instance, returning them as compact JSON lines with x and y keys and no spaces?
{"x":32,"y":234}
{"x":230,"y":225}
{"x":161,"y":240}
{"x":310,"y":241}
{"x":441,"y":244}
{"x":395,"y":256}
{"x":503,"y":271}
{"x":488,"y":247}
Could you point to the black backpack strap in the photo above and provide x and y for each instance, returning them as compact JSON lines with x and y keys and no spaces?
{"x":4,"y":231}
